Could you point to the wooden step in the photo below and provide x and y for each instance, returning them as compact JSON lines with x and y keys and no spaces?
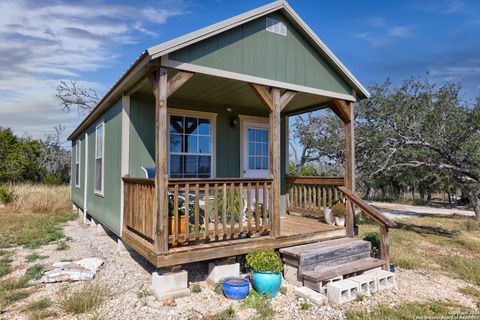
{"x":326,"y":253}
{"x":322,"y":274}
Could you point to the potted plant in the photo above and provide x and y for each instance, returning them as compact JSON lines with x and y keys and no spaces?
{"x":339,"y":212}
{"x":327,"y":215}
{"x":236,"y":288}
{"x":267,"y":269}
{"x":171,"y":217}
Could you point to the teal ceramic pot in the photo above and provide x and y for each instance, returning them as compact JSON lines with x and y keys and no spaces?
{"x":267,"y":282}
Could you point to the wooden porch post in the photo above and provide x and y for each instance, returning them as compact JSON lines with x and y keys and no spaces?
{"x":159,"y":84}
{"x":345,"y":112}
{"x":275,"y":162}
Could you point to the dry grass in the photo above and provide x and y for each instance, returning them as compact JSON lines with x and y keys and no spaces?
{"x":86,"y":298}
{"x":33,"y":217}
{"x":449,"y":245}
{"x":39,"y":198}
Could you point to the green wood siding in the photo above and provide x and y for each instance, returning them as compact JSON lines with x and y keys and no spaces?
{"x":250,"y":49}
{"x":142,"y":134}
{"x":106,"y":209}
{"x":78,"y":192}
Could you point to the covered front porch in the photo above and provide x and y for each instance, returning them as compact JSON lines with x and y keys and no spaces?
{"x":237,"y":197}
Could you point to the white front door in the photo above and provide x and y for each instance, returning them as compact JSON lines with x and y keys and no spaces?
{"x":255,"y":149}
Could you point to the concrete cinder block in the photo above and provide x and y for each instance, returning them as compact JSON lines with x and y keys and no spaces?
{"x":292,"y":276}
{"x":385,"y":280}
{"x":321,"y":286}
{"x":311,"y":295}
{"x":122,"y":248}
{"x":101,"y":230}
{"x":367,"y":283}
{"x":374,"y":270}
{"x":342,"y":291}
{"x":217,"y":272}
{"x":170,"y":285}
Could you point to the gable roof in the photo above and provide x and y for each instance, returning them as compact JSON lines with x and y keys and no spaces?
{"x":141,"y":64}
{"x":204,"y":33}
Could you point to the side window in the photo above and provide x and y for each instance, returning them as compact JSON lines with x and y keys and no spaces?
{"x":99,"y":150}
{"x":77,"y":163}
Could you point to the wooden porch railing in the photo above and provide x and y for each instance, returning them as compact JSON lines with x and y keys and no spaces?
{"x":219,"y":208}
{"x":210,"y":209}
{"x":310,"y":195}
{"x":384,"y":222}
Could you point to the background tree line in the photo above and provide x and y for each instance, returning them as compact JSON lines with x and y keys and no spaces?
{"x":414,"y":138}
{"x":24,"y":159}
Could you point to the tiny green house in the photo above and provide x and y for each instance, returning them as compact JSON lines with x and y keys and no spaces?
{"x":206,"y":115}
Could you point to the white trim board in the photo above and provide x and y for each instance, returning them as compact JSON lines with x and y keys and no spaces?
{"x":249,"y":119}
{"x":100,"y":193}
{"x":166,"y":62}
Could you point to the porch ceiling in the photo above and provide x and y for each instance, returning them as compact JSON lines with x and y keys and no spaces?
{"x":209,"y":89}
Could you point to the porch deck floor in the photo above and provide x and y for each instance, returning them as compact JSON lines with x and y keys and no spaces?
{"x":295,"y":225}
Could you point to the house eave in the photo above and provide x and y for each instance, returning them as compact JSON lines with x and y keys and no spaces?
{"x":115,"y":91}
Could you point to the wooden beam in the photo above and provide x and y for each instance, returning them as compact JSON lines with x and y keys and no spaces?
{"x":159,"y":84}
{"x":349,"y":133}
{"x":275,"y":162}
{"x":287,"y":96}
{"x":349,"y":220}
{"x":177,"y":81}
{"x":341,"y":109}
{"x":263,"y":94}
{"x":385,"y":247}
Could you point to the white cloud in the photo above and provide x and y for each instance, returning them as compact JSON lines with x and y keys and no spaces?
{"x":399,"y":31}
{"x":385,"y":36}
{"x":41,"y":43}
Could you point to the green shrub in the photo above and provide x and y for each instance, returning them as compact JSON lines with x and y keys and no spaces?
{"x":374,"y":239}
{"x":218,"y":287}
{"x":7,"y":195}
{"x":5,"y":265}
{"x":227,"y":314}
{"x":261,"y":304}
{"x":35,"y":272}
{"x":266,"y":260}
{"x":339,"y":210}
{"x":62,"y":245}
{"x":196,"y":288}
{"x":34,"y":256}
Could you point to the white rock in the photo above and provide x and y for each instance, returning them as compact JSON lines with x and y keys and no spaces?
{"x":80,"y":270}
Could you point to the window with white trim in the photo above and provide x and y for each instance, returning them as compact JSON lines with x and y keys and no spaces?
{"x":77,"y":164}
{"x":190,"y":146}
{"x":99,"y":151}
{"x":257,"y":149}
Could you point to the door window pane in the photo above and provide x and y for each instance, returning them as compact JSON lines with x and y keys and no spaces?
{"x":258,"y":148}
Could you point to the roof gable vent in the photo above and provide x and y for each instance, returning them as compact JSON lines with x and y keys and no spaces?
{"x":276,"y":26}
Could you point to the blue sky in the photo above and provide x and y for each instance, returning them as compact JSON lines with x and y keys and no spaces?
{"x":94,"y":42}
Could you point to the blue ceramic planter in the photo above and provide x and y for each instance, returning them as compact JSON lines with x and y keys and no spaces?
{"x":236,"y":288}
{"x":267,"y":282}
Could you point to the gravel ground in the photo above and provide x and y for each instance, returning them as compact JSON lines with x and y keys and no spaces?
{"x":396,"y":210}
{"x":127,"y":276}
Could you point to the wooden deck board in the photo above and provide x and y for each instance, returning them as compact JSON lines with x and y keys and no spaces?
{"x":294,"y":231}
